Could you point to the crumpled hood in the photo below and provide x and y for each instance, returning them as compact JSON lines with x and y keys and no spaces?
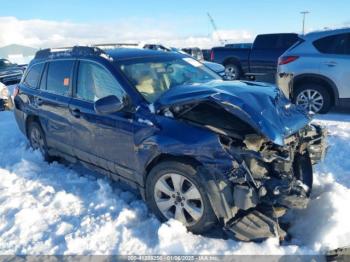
{"x":262,"y":106}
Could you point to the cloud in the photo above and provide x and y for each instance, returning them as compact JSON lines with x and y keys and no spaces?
{"x":45,"y":33}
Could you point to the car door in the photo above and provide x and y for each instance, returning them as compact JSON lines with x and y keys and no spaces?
{"x":103,"y":140}
{"x":53,"y":103}
{"x":335,"y":61}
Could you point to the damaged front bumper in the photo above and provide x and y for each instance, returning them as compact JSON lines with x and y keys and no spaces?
{"x":267,"y":183}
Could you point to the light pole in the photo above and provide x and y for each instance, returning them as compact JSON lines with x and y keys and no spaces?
{"x":304,"y":13}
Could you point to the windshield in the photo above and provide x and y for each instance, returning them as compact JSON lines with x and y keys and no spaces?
{"x":154,"y":76}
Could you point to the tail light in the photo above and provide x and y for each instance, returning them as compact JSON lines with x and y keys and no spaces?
{"x":287,"y":59}
{"x":212,"y":55}
{"x":15,"y":91}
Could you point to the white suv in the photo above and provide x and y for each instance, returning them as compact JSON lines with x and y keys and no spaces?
{"x":315,"y":72}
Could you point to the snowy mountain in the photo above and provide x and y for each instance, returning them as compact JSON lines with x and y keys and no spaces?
{"x":15,"y":49}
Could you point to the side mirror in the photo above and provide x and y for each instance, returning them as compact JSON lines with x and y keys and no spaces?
{"x":108,"y":105}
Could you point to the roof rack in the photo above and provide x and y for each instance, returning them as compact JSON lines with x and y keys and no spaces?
{"x":70,"y":51}
{"x":115,"y":45}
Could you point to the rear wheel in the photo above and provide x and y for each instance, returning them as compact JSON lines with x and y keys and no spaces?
{"x":232,"y":72}
{"x":313,"y":97}
{"x":37,"y":140}
{"x":174,"y":190}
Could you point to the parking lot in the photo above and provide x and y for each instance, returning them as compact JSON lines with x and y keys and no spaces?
{"x":173,"y":131}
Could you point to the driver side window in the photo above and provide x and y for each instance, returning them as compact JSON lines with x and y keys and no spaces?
{"x":95,"y":82}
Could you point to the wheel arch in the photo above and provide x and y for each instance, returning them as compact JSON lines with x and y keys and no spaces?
{"x":30,"y":119}
{"x":217,"y":198}
{"x":317,"y":79}
{"x":169,"y":157}
{"x":233,"y":60}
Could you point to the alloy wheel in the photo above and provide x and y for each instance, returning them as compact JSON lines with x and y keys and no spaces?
{"x":311,"y":100}
{"x":37,"y":140}
{"x":177,"y":197}
{"x":230,"y":72}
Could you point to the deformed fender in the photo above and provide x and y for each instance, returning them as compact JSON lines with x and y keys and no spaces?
{"x":220,"y":195}
{"x":188,"y":142}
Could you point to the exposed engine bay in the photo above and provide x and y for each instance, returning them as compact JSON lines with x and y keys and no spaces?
{"x":266,"y":179}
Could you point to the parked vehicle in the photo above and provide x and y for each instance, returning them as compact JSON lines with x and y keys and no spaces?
{"x":258,"y":62}
{"x":10,"y":73}
{"x":240,"y":45}
{"x":206,"y":54}
{"x":5,"y":98}
{"x":315,"y":72}
{"x":201,"y":150}
{"x":195,"y":52}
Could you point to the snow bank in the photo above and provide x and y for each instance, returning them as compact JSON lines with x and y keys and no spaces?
{"x":57,"y":209}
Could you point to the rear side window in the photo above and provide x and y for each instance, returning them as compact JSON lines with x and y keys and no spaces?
{"x":33,"y":75}
{"x":265,"y":41}
{"x":335,"y":44}
{"x":95,"y":82}
{"x":59,"y":76}
{"x":275,"y":41}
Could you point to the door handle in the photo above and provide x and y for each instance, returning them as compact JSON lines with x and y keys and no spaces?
{"x":38,"y":101}
{"x":75,"y":112}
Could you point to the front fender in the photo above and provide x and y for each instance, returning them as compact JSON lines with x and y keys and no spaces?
{"x":197,"y":145}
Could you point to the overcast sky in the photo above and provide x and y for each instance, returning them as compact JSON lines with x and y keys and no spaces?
{"x":41,"y":23}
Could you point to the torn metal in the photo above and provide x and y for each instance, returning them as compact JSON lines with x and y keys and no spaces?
{"x":256,"y":150}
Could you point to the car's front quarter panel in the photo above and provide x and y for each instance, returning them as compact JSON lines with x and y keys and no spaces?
{"x":170,"y":137}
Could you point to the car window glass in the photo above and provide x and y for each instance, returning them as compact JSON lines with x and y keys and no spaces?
{"x":43,"y":80}
{"x":153,"y":77}
{"x":95,"y":82}
{"x":286,"y":41}
{"x":266,"y":42}
{"x":335,"y":44}
{"x":347,"y":45}
{"x":59,"y":76}
{"x":33,"y":76}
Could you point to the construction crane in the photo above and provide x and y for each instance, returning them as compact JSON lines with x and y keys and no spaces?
{"x":215,"y":29}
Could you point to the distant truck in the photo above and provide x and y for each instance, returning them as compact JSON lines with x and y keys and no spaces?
{"x":258,"y":62}
{"x":10,"y":73}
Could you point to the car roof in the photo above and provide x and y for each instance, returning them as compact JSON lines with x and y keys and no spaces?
{"x":324,"y":33}
{"x":117,"y":54}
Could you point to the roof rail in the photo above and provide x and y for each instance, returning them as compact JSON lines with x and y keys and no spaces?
{"x":69,"y":51}
{"x":115,"y":45}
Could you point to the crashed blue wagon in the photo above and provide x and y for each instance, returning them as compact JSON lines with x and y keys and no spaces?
{"x":200,"y":150}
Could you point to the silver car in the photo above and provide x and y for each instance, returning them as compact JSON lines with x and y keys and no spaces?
{"x":315,"y":72}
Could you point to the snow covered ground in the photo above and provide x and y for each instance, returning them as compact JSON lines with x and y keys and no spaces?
{"x":56,"y":209}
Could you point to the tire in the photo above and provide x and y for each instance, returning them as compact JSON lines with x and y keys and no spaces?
{"x":316,"y":92}
{"x":232,"y":72}
{"x":37,"y":140}
{"x":203,"y":215}
{"x":302,"y":168}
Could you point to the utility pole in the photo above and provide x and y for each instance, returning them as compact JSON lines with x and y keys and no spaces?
{"x":304,"y":13}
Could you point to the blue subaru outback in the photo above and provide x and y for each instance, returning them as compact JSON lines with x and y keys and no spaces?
{"x":199,"y":149}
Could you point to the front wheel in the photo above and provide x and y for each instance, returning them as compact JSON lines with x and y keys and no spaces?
{"x":174,"y":190}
